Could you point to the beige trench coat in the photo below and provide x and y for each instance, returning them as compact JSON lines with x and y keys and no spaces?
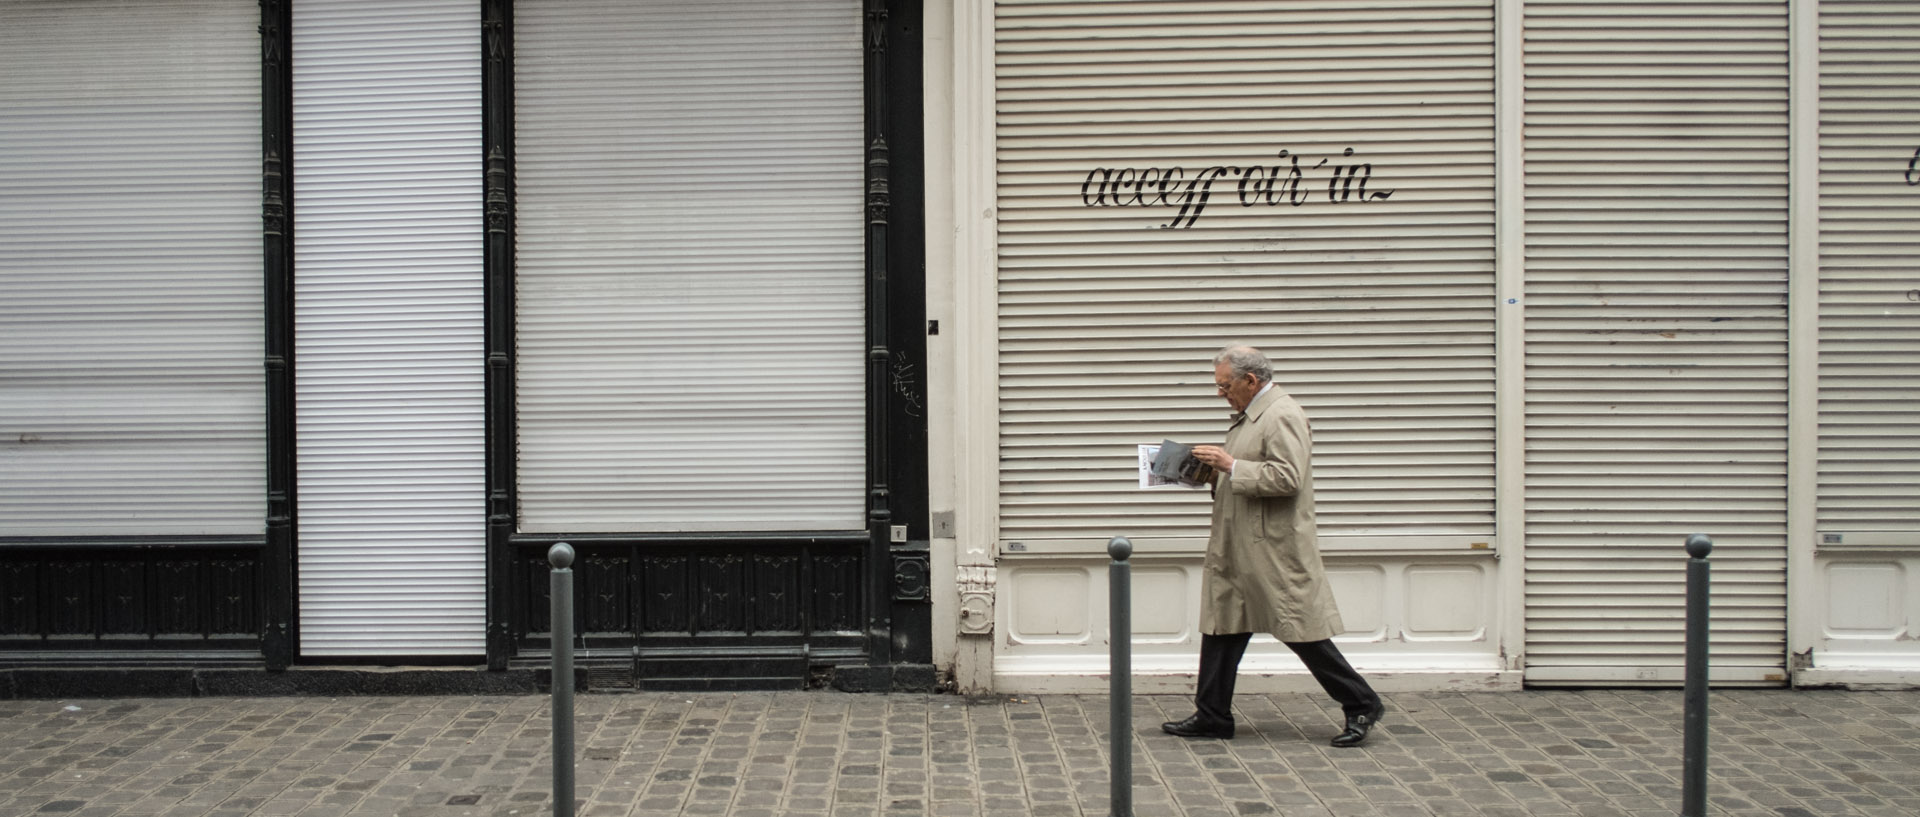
{"x":1263,"y":572}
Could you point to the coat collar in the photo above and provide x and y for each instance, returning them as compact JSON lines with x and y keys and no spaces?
{"x":1259,"y":405}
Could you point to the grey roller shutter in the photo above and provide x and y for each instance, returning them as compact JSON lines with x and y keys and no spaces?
{"x":132,"y":400}
{"x":1655,"y":298}
{"x":690,"y":335}
{"x":1869,"y":483}
{"x":387,"y":195}
{"x":1368,"y":277}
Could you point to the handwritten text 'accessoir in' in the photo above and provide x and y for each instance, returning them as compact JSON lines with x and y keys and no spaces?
{"x":1260,"y":184}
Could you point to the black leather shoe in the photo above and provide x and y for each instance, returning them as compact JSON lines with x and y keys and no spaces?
{"x":1358,"y":726}
{"x":1197,"y":727}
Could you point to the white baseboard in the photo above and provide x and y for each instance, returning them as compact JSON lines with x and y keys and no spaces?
{"x":1861,"y":678}
{"x":1256,"y":681}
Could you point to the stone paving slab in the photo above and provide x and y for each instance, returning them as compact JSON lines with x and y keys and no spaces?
{"x":1776,"y":753}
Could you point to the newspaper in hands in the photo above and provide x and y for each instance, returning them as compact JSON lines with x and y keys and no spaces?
{"x":1171,"y":463}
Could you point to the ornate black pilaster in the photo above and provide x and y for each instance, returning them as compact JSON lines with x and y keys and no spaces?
{"x":879,"y":358}
{"x":278,"y":638}
{"x":496,"y":26}
{"x":896,"y":313}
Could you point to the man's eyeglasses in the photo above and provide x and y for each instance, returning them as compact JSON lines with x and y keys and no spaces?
{"x":1227,"y":385}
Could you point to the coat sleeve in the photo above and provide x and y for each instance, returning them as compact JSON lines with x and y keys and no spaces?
{"x":1275,"y":469}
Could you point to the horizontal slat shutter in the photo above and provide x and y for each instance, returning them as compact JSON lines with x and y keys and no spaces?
{"x":691,"y":254}
{"x":132,"y":399}
{"x":1869,"y":252}
{"x":1656,"y":161}
{"x":1373,"y":296}
{"x":391,"y":467}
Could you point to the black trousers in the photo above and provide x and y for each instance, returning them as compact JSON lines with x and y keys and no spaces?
{"x":1220,"y":664}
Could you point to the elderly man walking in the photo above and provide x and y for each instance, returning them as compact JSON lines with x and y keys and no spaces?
{"x":1263,"y":571}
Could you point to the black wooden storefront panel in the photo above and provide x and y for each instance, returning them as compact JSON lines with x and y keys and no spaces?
{"x":162,"y":597}
{"x":775,"y":589}
{"x":682,"y":594}
{"x":701,"y":615}
{"x":663,"y":582}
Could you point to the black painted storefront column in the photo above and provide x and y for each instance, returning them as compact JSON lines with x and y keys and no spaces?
{"x":278,"y":639}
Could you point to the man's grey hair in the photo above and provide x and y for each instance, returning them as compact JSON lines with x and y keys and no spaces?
{"x":1243,"y":359}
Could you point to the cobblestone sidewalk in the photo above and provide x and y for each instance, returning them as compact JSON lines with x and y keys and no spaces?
{"x":1537,"y":753}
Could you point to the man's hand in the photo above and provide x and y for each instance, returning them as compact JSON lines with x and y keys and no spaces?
{"x":1215,"y":456}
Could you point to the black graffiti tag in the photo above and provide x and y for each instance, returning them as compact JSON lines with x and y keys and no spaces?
{"x":1270,"y":185}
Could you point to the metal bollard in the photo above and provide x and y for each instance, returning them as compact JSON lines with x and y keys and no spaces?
{"x":1693,"y":785}
{"x":1120,"y":672}
{"x":560,"y":556}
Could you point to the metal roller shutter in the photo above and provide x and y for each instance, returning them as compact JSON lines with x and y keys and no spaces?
{"x":132,"y":400}
{"x":1656,"y":283}
{"x":1869,"y":483}
{"x":1367,"y":276}
{"x":388,"y":314}
{"x":690,"y":336}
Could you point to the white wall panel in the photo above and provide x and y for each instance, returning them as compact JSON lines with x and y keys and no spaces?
{"x":1869,"y":473}
{"x":1871,"y":616}
{"x":1166,"y":611}
{"x":1361,"y":591}
{"x":132,"y":398}
{"x":1318,"y":181}
{"x":1413,"y":622}
{"x":1866,"y":598}
{"x":1447,"y":602}
{"x":1053,"y":606}
{"x":1332,"y":167}
{"x":1655,"y":309}
{"x":388,"y":328}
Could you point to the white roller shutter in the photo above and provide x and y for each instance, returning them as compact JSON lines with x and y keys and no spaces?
{"x":1656,"y":229}
{"x":690,"y":336}
{"x":387,"y":214}
{"x":1374,"y":295}
{"x":1869,"y":491}
{"x":132,"y":400}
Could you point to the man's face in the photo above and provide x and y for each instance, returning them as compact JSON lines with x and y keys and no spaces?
{"x":1238,"y":390}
